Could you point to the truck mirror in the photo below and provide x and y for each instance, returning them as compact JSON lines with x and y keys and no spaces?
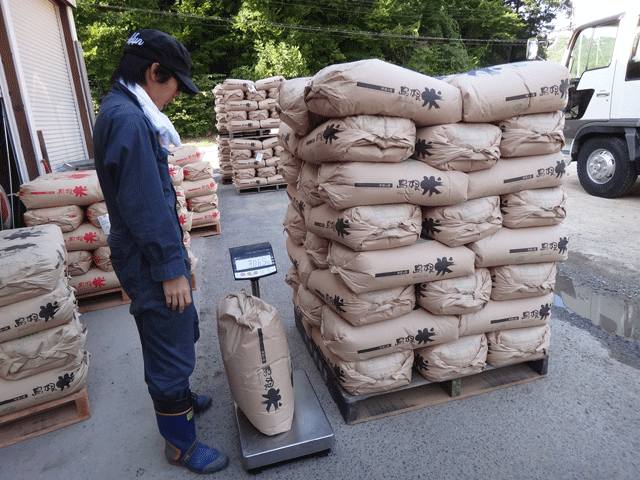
{"x":532,"y":49}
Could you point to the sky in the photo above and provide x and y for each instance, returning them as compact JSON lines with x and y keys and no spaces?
{"x":588,"y":10}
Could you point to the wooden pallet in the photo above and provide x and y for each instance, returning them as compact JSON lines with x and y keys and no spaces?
{"x":207,"y":230}
{"x":420,"y":393}
{"x":114,"y":297}
{"x":227,"y":180}
{"x":261,"y":188}
{"x":43,"y":418}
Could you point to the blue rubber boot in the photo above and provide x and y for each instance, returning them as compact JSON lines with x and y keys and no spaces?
{"x":200,"y":403}
{"x":182,"y":448}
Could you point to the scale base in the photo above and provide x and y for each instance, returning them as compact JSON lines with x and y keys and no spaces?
{"x":310,"y":431}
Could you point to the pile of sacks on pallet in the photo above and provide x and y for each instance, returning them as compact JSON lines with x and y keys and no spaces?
{"x":74,"y":202}
{"x":425,"y":218}
{"x":42,"y":356}
{"x":255,"y":161}
{"x":245,"y":105}
{"x":195,"y":186}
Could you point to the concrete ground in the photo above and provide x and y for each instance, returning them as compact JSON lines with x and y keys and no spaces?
{"x":579,"y":422}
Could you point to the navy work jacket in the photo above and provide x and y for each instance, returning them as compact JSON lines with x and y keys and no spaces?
{"x":146,"y":239}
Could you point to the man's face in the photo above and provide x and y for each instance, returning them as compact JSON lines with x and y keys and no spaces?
{"x":161,"y":94}
{"x":165,"y":93}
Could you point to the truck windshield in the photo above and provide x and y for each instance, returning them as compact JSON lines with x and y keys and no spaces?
{"x":592,"y":49}
{"x":633,"y":67}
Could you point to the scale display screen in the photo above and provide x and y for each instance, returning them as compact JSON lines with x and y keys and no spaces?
{"x":252,"y":261}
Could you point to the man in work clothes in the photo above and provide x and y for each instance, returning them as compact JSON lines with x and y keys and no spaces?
{"x":146,"y":240}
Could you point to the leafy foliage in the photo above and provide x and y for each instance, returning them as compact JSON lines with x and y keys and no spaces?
{"x":194,"y":115}
{"x":255,"y":39}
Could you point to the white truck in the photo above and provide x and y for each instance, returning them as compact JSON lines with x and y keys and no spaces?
{"x":602,"y":124}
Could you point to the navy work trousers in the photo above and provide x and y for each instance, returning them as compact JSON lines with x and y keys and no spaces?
{"x":167,"y":337}
{"x":168,"y":350}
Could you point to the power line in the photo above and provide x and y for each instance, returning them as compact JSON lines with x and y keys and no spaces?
{"x":364,"y":7}
{"x":307,"y":27}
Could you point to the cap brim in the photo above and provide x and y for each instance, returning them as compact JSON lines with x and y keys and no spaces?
{"x":187,"y":86}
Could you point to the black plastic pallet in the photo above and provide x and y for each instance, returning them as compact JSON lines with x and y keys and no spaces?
{"x":261,"y":132}
{"x":420,"y":392}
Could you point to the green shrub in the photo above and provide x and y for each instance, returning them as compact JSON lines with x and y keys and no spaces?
{"x":194,"y":115}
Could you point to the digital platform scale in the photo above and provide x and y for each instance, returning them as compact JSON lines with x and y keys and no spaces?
{"x":252,"y":262}
{"x":310,"y":431}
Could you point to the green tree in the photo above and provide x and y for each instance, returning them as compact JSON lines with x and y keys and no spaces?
{"x":254,"y":39}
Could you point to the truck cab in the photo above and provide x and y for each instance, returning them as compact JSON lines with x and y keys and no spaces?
{"x":602,"y":123}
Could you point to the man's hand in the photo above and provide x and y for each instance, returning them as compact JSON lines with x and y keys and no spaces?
{"x":177,"y":292}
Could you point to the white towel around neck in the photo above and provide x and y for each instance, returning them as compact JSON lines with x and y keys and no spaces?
{"x":166,"y":131}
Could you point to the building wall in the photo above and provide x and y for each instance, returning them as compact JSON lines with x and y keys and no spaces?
{"x":42,"y":86}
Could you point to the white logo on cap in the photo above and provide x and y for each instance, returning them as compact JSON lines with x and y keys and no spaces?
{"x":134,"y":40}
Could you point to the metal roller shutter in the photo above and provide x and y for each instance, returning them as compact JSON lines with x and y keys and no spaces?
{"x":42,"y":58}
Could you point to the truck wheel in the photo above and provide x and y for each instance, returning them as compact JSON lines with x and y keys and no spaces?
{"x":604,"y":168}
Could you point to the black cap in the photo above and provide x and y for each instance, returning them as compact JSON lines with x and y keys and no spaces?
{"x":157,"y":46}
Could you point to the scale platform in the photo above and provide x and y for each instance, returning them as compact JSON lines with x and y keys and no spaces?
{"x":310,"y":431}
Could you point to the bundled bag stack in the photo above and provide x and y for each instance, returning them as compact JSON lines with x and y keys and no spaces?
{"x":224,"y":159}
{"x":242,"y":105}
{"x":375,"y":155}
{"x":74,"y":202}
{"x":42,"y":354}
{"x":193,"y":180}
{"x":255,"y":161}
